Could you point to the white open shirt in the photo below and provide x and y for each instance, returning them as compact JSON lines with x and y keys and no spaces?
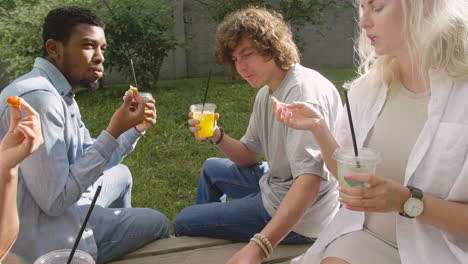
{"x":438,"y":165}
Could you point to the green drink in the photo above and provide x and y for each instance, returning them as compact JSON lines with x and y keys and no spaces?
{"x":348,"y":163}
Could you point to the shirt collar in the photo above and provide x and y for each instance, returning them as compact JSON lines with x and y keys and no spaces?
{"x":55,"y":76}
{"x":284,"y":81}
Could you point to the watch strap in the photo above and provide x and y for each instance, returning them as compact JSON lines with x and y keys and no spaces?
{"x":415,"y":192}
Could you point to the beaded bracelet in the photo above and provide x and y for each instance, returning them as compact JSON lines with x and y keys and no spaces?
{"x":265,"y":241}
{"x":261,"y":245}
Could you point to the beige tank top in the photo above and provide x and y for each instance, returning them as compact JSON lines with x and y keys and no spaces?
{"x":393,"y":135}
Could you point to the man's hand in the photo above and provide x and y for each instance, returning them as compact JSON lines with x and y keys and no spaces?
{"x":130,"y":114}
{"x":193,"y":128}
{"x":23,"y":137}
{"x":150,"y":116}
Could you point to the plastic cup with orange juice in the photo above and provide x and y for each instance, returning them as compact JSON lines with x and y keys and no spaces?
{"x":146,"y":96}
{"x":206,"y":115}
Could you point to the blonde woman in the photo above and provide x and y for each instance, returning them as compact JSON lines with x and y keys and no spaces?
{"x":23,"y":137}
{"x":409,"y":103}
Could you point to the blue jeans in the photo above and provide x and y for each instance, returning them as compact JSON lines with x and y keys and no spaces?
{"x":236,"y":220}
{"x":116,"y":189}
{"x":119,"y":231}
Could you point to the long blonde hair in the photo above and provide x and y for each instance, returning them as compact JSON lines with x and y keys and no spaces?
{"x":436,"y":33}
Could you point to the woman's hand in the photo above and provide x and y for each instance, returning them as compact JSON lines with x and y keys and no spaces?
{"x":300,"y":116}
{"x":23,"y":137}
{"x":249,"y":254}
{"x":382,"y":195}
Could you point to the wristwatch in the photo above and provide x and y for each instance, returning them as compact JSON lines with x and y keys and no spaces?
{"x":414,"y":205}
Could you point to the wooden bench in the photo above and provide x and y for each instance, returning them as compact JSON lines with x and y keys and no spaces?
{"x":201,"y":250}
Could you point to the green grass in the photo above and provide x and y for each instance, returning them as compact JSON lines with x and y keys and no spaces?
{"x":167,"y":161}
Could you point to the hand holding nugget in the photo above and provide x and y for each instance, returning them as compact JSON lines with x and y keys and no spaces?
{"x":14,"y":101}
{"x":23,"y":137}
{"x":128,"y":115}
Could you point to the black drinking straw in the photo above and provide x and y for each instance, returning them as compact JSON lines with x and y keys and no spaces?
{"x":351,"y":125}
{"x":78,"y":238}
{"x":206,"y":90}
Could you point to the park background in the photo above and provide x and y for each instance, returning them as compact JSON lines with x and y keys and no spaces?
{"x":167,"y":161}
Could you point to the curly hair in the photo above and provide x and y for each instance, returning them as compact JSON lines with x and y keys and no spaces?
{"x":270,"y":34}
{"x":59,"y":23}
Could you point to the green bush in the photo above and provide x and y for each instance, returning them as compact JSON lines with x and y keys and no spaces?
{"x":136,"y":29}
{"x":21,"y":33}
{"x":140,"y":30}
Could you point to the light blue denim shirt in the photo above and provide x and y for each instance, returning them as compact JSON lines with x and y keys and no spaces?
{"x":53,"y":178}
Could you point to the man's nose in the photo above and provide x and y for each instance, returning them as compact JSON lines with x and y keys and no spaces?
{"x":98,"y":56}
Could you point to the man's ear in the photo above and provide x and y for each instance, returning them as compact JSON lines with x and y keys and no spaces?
{"x":54,"y":48}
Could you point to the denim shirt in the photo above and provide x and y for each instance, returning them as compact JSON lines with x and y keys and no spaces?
{"x":53,"y":178}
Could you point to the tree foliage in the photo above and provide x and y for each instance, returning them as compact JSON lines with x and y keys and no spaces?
{"x":136,"y":29}
{"x":21,"y":33}
{"x":142,"y":31}
{"x":296,"y":12}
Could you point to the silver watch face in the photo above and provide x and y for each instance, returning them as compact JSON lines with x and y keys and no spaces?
{"x":413,"y":207}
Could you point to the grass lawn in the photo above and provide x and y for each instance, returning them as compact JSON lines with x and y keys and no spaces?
{"x":166,"y":163}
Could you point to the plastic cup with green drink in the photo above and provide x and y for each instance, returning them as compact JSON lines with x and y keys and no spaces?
{"x":349,"y":163}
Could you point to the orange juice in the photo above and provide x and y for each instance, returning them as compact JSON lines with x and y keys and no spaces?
{"x":145,"y":97}
{"x":205,"y":113}
{"x":206,"y":124}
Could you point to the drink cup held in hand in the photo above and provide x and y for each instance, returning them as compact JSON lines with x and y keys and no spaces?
{"x":348,"y":163}
{"x":146,"y":96}
{"x":204,"y":114}
{"x":61,"y":256}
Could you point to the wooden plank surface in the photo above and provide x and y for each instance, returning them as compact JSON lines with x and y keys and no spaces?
{"x":176,"y":244}
{"x":215,"y":255}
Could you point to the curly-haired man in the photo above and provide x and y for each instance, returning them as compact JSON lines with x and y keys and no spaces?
{"x":289,"y":198}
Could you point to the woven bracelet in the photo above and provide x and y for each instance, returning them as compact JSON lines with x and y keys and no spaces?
{"x":261,"y":245}
{"x":265,"y":241}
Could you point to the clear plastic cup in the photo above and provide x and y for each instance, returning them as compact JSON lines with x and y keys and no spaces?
{"x":348,"y":163}
{"x":145,"y":96}
{"x":204,"y":114}
{"x":61,"y":256}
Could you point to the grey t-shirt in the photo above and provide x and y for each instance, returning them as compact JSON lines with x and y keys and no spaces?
{"x":291,"y":153}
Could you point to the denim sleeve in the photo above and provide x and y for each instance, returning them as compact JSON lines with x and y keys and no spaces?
{"x":127,"y":143}
{"x":53,"y":175}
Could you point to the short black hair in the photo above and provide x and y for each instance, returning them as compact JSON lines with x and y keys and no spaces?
{"x":59,"y":23}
